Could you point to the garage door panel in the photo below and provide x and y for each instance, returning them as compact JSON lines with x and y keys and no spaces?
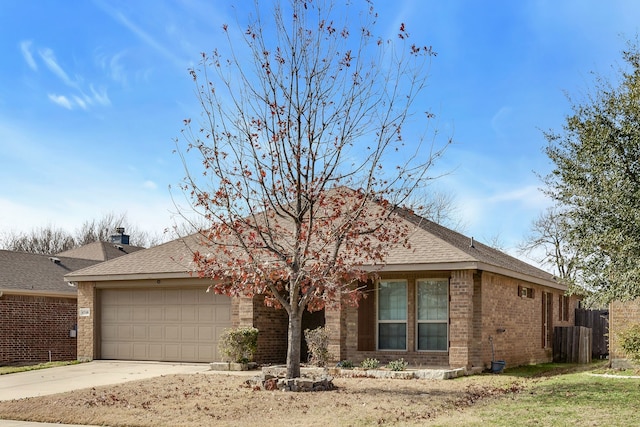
{"x":155,"y":333}
{"x":189,"y":333}
{"x":155,"y":296}
{"x":155,"y":314}
{"x":171,"y":324}
{"x":140,"y":332}
{"x":188,"y":313}
{"x":223,"y":314}
{"x":190,"y":296}
{"x":206,"y":333}
{"x":172,"y":313}
{"x":139,"y":351}
{"x":172,"y":351}
{"x":123,"y":313}
{"x":125,"y":332}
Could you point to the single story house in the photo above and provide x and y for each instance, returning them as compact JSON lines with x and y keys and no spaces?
{"x":38,"y":308}
{"x":449,"y":301}
{"x":622,"y":315}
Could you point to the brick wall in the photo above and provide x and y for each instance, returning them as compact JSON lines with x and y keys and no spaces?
{"x":481,"y":305}
{"x":461,"y":291}
{"x":621,"y":316}
{"x":520,"y":318}
{"x":33,"y":326}
{"x":87,"y":324}
{"x":272,"y":324}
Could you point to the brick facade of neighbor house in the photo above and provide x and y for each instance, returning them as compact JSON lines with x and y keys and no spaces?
{"x":622,"y":315}
{"x":36,"y":329}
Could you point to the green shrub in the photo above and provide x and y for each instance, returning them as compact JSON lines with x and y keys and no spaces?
{"x":397,"y":365}
{"x":318,"y":344}
{"x":345,"y":364}
{"x":370,"y":363}
{"x":239,"y":344}
{"x":630,"y":342}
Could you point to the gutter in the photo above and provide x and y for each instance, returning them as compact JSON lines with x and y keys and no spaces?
{"x":35,"y":293}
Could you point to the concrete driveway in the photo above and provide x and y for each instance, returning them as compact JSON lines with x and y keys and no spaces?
{"x":91,"y":374}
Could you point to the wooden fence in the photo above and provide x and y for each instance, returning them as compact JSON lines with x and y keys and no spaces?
{"x":598,"y":321}
{"x":572,"y":344}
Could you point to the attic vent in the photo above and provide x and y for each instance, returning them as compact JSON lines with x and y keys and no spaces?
{"x":54,"y":260}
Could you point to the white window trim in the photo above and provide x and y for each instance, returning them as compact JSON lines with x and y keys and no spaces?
{"x":417,"y":316}
{"x":378,"y":321}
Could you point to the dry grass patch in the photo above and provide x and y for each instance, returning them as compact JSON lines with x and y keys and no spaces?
{"x":217,"y":399}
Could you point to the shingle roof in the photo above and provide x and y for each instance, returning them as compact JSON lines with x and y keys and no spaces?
{"x":38,"y":274}
{"x":169,"y":259}
{"x":100,"y":251}
{"x":432,"y":247}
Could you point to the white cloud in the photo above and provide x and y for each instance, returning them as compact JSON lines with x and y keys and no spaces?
{"x":61,"y":100}
{"x":25,"y":48}
{"x":528,"y":196}
{"x":499,"y":120}
{"x":150,"y":185}
{"x":100,"y":96}
{"x":80,"y":102}
{"x":50,"y":61}
{"x":143,"y":35}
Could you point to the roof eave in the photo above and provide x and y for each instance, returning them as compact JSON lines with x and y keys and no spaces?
{"x":39,"y":293}
{"x":468,"y":265}
{"x":133,"y":276}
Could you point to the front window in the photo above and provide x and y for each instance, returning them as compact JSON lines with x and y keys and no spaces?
{"x":392,"y":315}
{"x":433,"y":314}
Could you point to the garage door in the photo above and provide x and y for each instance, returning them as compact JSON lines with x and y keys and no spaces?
{"x":165,"y":324}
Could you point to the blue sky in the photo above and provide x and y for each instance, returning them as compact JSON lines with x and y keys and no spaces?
{"x":92,"y":94}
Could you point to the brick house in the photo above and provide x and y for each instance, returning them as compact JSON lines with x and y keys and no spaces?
{"x":622,"y":315}
{"x":38,"y":308}
{"x":435,"y":305}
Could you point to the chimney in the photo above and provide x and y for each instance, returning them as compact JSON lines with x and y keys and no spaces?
{"x":119,"y":237}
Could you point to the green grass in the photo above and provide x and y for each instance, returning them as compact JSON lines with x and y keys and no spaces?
{"x":14,"y":369}
{"x":552,"y":397}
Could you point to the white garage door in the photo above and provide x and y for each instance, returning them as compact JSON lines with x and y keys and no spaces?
{"x":164,"y":324}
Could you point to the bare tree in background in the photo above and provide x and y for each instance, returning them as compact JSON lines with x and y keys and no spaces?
{"x":45,"y":240}
{"x":51,"y":240}
{"x":439,"y":207}
{"x":548,"y":244}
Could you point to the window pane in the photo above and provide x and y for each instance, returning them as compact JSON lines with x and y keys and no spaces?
{"x":392,"y":301}
{"x":432,"y":336}
{"x":433,"y":300}
{"x":392,"y":336}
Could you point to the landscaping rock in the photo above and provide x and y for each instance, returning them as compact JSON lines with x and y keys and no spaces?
{"x":273,"y":378}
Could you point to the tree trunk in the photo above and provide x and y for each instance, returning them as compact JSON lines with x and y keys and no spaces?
{"x":293,"y":343}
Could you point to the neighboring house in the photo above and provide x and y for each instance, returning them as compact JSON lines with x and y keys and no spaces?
{"x":439,"y":304}
{"x":38,"y":308}
{"x":622,"y":315}
{"x":100,"y":251}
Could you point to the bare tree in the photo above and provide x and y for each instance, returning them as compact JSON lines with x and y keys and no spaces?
{"x":51,"y":240}
{"x":99,"y":230}
{"x":549,"y":244}
{"x":304,"y":160}
{"x":44,"y":240}
{"x":439,"y":207}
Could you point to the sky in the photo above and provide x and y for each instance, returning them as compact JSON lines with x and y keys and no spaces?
{"x":94,"y":92}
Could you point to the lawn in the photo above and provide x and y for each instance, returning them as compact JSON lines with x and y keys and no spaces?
{"x":14,"y":369}
{"x":546,"y":395}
